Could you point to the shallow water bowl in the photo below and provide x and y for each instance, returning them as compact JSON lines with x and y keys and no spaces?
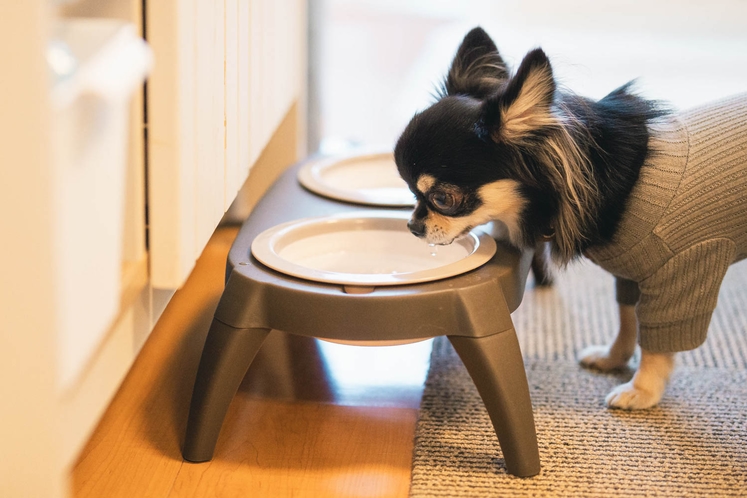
{"x":369,"y":179}
{"x":367,"y":249}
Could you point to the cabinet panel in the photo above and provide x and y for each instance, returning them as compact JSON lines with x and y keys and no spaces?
{"x":226,"y":73}
{"x":209,"y":121}
{"x":98,"y":64}
{"x":231,"y":71}
{"x":171,"y":147}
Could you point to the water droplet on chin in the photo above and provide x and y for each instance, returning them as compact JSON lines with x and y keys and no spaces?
{"x":434,"y":249}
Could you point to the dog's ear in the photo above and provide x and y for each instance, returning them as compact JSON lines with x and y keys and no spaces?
{"x":523,"y":107}
{"x":477,"y":69}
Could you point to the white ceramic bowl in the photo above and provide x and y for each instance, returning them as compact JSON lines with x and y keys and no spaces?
{"x":369,"y":179}
{"x":372,"y":248}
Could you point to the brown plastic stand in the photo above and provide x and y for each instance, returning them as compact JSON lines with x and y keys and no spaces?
{"x":473,"y":310}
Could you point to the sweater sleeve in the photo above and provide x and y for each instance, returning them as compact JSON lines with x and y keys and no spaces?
{"x":677,"y":301}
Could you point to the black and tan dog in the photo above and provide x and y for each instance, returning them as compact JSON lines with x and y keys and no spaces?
{"x":656,"y":198}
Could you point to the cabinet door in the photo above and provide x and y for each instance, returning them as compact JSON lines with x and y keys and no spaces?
{"x":226,"y":73}
{"x":89,"y":143}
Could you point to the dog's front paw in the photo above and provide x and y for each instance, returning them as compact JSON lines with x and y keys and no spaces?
{"x":629,"y":397}
{"x":601,"y":358}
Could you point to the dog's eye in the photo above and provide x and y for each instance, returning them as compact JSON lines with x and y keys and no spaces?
{"x":443,"y":201}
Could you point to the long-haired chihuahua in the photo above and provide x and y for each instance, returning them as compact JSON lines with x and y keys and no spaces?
{"x":654,"y":197}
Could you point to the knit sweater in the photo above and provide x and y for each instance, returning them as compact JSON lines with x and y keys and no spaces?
{"x":684,"y":223}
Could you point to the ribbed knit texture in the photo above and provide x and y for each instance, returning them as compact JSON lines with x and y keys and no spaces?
{"x":685,"y":223}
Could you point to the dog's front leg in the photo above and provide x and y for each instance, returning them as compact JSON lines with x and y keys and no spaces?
{"x":647,"y":386}
{"x":616,"y":355}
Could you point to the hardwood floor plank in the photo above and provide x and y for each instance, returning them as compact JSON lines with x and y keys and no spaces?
{"x":299,"y":426}
{"x":278,"y":448}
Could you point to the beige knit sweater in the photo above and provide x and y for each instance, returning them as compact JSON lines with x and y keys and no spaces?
{"x":684,"y":224}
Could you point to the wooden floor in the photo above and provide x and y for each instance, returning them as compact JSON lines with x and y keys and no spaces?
{"x":310,"y":419}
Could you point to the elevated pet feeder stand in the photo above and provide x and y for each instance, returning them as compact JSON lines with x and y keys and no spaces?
{"x":472,"y":309}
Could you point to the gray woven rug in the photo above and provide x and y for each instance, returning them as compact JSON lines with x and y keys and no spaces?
{"x":693,"y":444}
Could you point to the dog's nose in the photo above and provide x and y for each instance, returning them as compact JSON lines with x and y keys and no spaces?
{"x":416,"y":227}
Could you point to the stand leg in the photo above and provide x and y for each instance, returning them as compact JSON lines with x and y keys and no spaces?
{"x":495,"y":364}
{"x":226,"y":357}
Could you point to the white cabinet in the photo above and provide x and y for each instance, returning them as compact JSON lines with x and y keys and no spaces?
{"x":227,"y":74}
{"x":77,"y":301}
{"x":97,"y":65}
